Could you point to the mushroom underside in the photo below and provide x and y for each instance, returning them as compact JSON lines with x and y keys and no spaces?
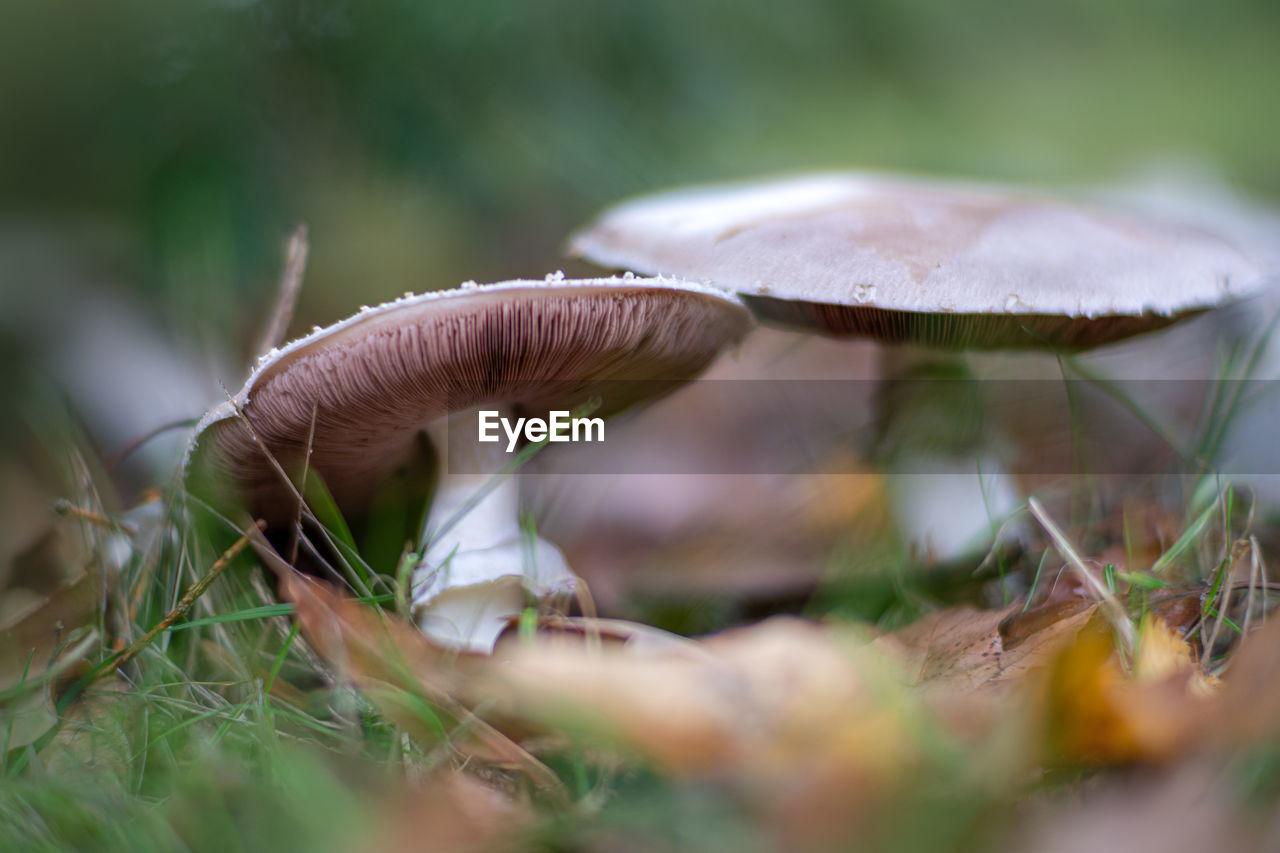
{"x":352,"y":405}
{"x":959,"y":331}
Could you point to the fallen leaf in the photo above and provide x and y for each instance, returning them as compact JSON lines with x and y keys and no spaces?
{"x":810,"y":724}
{"x":399,"y":669}
{"x":757,"y":699}
{"x":32,"y":644}
{"x":453,"y":811}
{"x":963,"y":649}
{"x":767,"y":705}
{"x":1099,"y":714}
{"x":1248,"y":713}
{"x":1191,"y":808}
{"x":93,"y":735}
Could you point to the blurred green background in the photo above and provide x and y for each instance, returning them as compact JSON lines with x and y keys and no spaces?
{"x":162,"y":151}
{"x":431,"y":141}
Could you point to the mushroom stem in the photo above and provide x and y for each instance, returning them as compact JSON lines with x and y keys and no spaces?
{"x":947,"y":487}
{"x":478,"y":565}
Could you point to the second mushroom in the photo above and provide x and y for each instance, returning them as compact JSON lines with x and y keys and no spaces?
{"x":943,"y":266}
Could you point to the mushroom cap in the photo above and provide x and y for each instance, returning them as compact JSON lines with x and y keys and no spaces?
{"x":375,"y":379}
{"x":942,"y":263}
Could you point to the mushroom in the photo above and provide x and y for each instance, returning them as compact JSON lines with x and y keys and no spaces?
{"x":907,"y":260}
{"x":941,"y":264}
{"x":358,"y":394}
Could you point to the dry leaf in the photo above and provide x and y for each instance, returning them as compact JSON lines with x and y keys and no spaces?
{"x":453,"y":811}
{"x":810,"y":724}
{"x":1097,"y":713}
{"x":1248,"y":714}
{"x":398,"y":669}
{"x":782,"y":701}
{"x":33,"y":642}
{"x":1190,"y":809}
{"x":758,"y":699}
{"x":963,"y":649}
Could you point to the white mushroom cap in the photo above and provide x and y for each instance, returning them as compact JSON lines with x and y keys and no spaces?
{"x":377,"y":378}
{"x":937,"y":262}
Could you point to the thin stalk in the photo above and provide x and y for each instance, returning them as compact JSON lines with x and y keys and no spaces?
{"x":1109,"y":604}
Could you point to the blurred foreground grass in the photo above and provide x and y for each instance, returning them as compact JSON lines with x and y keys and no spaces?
{"x":268,"y":718}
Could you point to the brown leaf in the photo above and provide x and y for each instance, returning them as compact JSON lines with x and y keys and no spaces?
{"x":964,"y":649}
{"x":32,"y":643}
{"x":775,"y":705}
{"x":454,"y":811}
{"x":809,"y":723}
{"x":1249,"y":711}
{"x":757,"y":699}
{"x":1097,"y":713}
{"x":1188,"y":809}
{"x":399,"y":669}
